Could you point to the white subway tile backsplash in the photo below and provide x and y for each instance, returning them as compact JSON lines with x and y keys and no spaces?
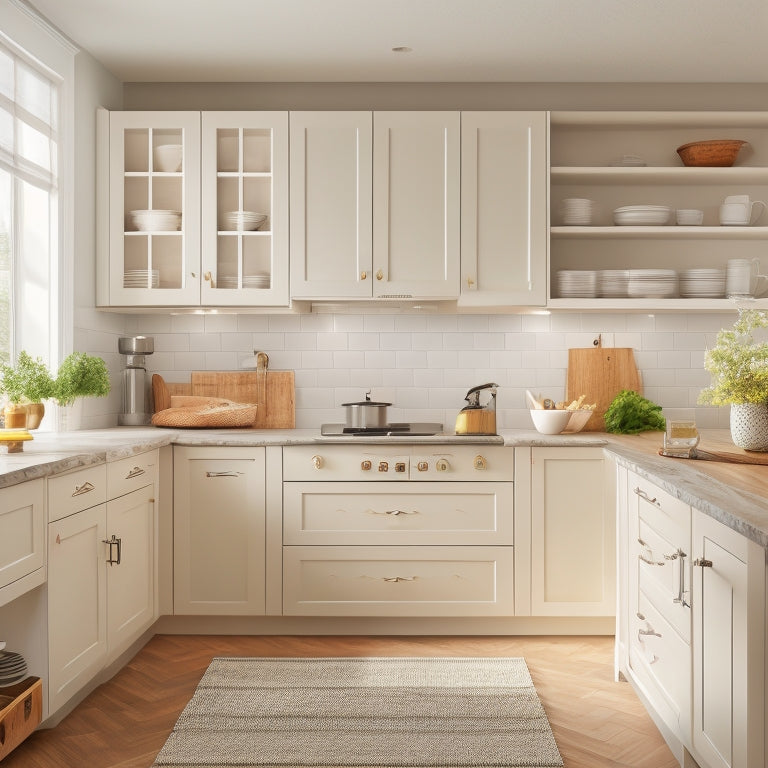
{"x":189,"y":361}
{"x":363,"y":341}
{"x":236,"y":342}
{"x":378,"y":323}
{"x":205,"y":342}
{"x":187,"y":324}
{"x":220,"y":323}
{"x":253,"y":323}
{"x":220,"y":361}
{"x":285,"y":323}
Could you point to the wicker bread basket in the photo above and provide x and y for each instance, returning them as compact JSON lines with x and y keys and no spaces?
{"x":714,"y":153}
{"x":205,"y":413}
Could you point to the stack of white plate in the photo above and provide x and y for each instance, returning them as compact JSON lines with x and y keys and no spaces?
{"x":12,"y":668}
{"x":702,"y":283}
{"x":629,"y":161}
{"x":613,"y":283}
{"x":156,"y":221}
{"x":577,"y":283}
{"x":642,"y":215}
{"x":249,"y":281}
{"x":652,"y":283}
{"x":242,"y":220}
{"x":577,"y":211}
{"x":141,"y":278}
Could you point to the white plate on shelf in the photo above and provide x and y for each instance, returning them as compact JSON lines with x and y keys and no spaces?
{"x":642,"y":215}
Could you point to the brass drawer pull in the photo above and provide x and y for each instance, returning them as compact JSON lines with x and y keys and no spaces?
{"x":86,"y":487}
{"x":135,"y":472}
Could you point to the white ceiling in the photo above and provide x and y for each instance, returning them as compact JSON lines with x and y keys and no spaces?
{"x":663,"y":41}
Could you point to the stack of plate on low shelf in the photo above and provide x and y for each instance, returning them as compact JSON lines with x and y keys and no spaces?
{"x":156,"y":220}
{"x":652,"y":284}
{"x":249,"y":281}
{"x":577,"y":284}
{"x":141,"y":278}
{"x":12,"y":668}
{"x":577,"y":211}
{"x":613,"y":283}
{"x":702,"y":284}
{"x":642,"y":215}
{"x":242,"y":221}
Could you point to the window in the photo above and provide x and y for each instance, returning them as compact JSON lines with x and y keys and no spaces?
{"x":29,"y":151}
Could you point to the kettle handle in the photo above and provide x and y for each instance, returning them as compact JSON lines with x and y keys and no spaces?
{"x":479,"y":389}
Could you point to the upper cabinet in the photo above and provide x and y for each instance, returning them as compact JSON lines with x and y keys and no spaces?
{"x":375,"y":204}
{"x":504,"y":238}
{"x":158,"y":206}
{"x":618,"y":159}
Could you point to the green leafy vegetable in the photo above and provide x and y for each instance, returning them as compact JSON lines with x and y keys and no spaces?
{"x":629,"y":414}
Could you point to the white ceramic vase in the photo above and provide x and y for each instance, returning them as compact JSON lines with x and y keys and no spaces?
{"x":749,"y":426}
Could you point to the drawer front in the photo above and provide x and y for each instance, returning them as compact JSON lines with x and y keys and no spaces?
{"x":661,"y":662}
{"x":398,"y":513}
{"x":76,"y":491}
{"x":130,"y":474}
{"x":22,"y":530}
{"x":397,"y":462}
{"x":395,"y":581}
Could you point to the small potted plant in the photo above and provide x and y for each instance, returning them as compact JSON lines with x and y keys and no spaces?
{"x":738,"y":364}
{"x":26,"y":384}
{"x":80,"y":375}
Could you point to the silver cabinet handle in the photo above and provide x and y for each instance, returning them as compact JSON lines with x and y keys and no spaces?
{"x":680,"y":599}
{"x":118,"y":542}
{"x":226,"y":473}
{"x":135,"y":472}
{"x":702,"y":563}
{"x":399,"y":578}
{"x":648,"y":632}
{"x":395,"y":512}
{"x":86,"y":487}
{"x":643,"y":495}
{"x":644,"y":559}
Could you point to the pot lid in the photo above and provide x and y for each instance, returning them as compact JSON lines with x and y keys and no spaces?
{"x":364,"y":403}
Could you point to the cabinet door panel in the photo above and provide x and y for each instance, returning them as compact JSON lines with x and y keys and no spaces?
{"x":416,"y":226}
{"x":331,"y":189}
{"x":22,"y":532}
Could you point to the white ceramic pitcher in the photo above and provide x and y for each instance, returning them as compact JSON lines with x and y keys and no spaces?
{"x":738,"y":210}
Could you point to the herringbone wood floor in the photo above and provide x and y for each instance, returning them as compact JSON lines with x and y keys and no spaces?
{"x":597,"y":722}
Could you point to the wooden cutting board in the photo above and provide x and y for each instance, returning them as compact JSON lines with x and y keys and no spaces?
{"x":600,"y":373}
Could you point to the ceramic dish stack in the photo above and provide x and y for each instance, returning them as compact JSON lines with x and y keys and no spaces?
{"x":613,"y":283}
{"x":156,"y":220}
{"x":702,"y":284}
{"x":141,"y":278}
{"x":577,"y":284}
{"x":652,"y":284}
{"x":577,"y":211}
{"x":242,"y":221}
{"x":249,"y":281}
{"x":642,"y":215}
{"x":12,"y":668}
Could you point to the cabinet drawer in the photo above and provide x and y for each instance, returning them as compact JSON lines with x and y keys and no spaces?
{"x":398,"y":513}
{"x":22,"y":531}
{"x":397,"y":581}
{"x":131,"y":473}
{"x":76,"y":491}
{"x":661,"y":662}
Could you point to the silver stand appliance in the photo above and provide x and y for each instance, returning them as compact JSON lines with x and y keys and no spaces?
{"x":136,"y":410}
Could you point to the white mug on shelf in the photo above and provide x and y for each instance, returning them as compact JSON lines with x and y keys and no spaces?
{"x":741,"y":277}
{"x":738,"y":210}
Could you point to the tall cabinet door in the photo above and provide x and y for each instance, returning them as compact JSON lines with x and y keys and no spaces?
{"x":416,"y":198}
{"x":219,"y":531}
{"x":154,"y":208}
{"x":504,"y":236}
{"x":245,"y":209}
{"x":331,"y":209}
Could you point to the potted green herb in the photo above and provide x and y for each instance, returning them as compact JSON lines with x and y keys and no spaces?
{"x":738,"y":364}
{"x":80,"y":375}
{"x":26,"y":384}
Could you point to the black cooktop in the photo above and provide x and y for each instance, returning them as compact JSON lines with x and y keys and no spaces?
{"x":412,"y":429}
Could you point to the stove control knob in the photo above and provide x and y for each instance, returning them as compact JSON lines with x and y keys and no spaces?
{"x":442,"y":465}
{"x":383,"y":466}
{"x":480,"y":462}
{"x":366,"y":465}
{"x":400,"y":466}
{"x":317,"y":462}
{"x":423,"y":466}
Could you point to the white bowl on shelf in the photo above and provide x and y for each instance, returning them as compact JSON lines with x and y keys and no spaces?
{"x":689,"y":217}
{"x":156,"y":220}
{"x":642,"y":215}
{"x":245,"y":221}
{"x":550,"y":422}
{"x":168,"y":158}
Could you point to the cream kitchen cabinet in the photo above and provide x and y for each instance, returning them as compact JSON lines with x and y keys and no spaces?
{"x":22,"y":539}
{"x":504,"y":235}
{"x":564,"y":508}
{"x":219,"y":530}
{"x":101,"y":563}
{"x":375,"y":205}
{"x":231,"y":162}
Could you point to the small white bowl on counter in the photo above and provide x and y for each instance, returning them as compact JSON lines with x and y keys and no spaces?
{"x":550,"y":422}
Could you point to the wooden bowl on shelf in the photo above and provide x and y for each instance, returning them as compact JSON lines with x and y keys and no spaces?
{"x":716,"y":153}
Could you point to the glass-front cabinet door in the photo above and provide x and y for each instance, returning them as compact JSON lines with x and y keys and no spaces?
{"x":154,"y":209}
{"x":244,"y":209}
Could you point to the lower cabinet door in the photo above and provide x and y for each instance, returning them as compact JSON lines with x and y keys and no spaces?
{"x":130,"y":580}
{"x":77,"y":626}
{"x":398,"y":581}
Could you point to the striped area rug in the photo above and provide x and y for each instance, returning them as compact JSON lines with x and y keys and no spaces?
{"x":363,"y":712}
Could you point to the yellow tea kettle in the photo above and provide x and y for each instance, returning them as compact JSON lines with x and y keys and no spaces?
{"x":477,"y":419}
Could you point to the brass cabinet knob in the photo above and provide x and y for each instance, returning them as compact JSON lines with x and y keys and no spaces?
{"x":317,"y":462}
{"x":363,"y":275}
{"x":442,"y":465}
{"x":383,"y":466}
{"x":470,"y":282}
{"x":480,"y":462}
{"x":379,"y":275}
{"x":422,"y":466}
{"x":365,"y":465}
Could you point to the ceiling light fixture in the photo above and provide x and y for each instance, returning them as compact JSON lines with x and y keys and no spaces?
{"x":401,"y":49}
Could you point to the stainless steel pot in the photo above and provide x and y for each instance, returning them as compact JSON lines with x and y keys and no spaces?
{"x":366,"y":414}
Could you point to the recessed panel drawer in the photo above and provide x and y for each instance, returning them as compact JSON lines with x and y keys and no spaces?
{"x":393,"y":581}
{"x":76,"y":491}
{"x":398,"y":513}
{"x":131,"y":473}
{"x":22,"y":531}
